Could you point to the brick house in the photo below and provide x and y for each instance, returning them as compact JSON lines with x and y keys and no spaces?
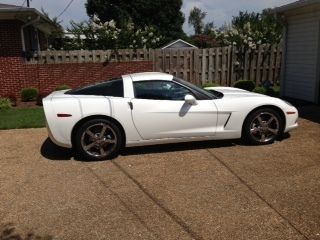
{"x":23,"y":29}
{"x":23,"y":32}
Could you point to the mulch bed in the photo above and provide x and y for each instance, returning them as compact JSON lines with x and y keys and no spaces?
{"x":27,"y":105}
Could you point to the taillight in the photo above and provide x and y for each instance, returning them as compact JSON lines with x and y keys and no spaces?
{"x":64,"y":115}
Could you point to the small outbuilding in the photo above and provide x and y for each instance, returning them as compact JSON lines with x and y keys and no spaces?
{"x":179,"y":43}
{"x":301,"y":61}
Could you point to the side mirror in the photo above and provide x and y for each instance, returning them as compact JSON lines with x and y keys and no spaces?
{"x":190,"y":99}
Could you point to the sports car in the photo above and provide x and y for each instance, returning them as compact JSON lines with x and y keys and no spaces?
{"x":155,"y":108}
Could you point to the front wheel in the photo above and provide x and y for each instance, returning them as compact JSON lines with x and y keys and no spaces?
{"x":98,"y":139}
{"x":262,"y":126}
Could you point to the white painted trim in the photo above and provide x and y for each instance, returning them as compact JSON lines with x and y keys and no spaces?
{"x":22,"y":40}
{"x":283,"y":71}
{"x":294,"y":5}
{"x":38,"y":40}
{"x":178,"y":40}
{"x":22,"y":32}
{"x":317,"y":85}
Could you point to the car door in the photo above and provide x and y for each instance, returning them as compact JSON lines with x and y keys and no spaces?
{"x":160,"y":111}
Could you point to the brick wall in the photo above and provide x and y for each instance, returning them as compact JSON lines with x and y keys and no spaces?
{"x":46,"y":77}
{"x":16,"y":74}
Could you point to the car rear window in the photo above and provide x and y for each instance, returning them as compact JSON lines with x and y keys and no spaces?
{"x":112,"y":88}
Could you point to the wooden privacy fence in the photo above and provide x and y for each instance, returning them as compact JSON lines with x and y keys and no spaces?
{"x":90,"y":56}
{"x":223,"y":65}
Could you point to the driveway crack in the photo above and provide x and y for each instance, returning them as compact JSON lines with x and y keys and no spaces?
{"x":168,"y":212}
{"x":103,"y":183}
{"x":157,"y":202}
{"x":257,"y":194}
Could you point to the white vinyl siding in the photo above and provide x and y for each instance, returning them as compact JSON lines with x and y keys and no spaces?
{"x":302,"y":56}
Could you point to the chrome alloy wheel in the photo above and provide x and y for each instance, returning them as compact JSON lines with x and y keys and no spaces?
{"x":264,"y":127}
{"x":99,"y":140}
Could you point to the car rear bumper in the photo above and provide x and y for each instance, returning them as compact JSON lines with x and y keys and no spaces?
{"x":289,"y":128}
{"x":54,"y":140}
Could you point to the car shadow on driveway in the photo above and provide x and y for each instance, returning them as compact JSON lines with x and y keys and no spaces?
{"x":53,"y":152}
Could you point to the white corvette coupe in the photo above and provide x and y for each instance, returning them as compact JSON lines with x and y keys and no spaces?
{"x":155,"y":108}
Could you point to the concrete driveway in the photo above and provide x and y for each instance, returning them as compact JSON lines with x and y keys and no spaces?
{"x":209,"y":190}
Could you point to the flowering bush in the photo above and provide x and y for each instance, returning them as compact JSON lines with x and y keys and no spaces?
{"x":246,"y":37}
{"x":247,"y":30}
{"x":95,"y":34}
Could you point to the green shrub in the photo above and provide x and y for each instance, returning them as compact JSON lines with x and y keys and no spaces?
{"x":260,"y":90}
{"x":29,"y":94}
{"x":277,"y":90}
{"x":62,"y":87}
{"x":210,"y":84}
{"x":270,"y":92}
{"x":12,"y":98}
{"x":245,"y":85}
{"x":5,"y":103}
{"x":40,"y":97}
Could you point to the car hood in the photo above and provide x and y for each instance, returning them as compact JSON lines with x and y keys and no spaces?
{"x":230,"y":92}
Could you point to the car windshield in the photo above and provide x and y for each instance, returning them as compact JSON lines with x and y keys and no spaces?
{"x":211,"y":94}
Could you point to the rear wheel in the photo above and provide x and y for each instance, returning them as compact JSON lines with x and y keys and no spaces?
{"x":98,"y":139}
{"x":262,"y":126}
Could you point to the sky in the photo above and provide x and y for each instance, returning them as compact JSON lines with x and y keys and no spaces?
{"x":218,"y":11}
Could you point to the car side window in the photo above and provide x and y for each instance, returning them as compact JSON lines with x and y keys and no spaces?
{"x":112,"y":88}
{"x":160,"y":90}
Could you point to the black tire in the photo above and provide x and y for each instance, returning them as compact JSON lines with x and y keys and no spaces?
{"x":98,"y":139}
{"x":262,"y":127}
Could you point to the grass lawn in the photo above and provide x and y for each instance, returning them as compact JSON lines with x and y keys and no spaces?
{"x":22,"y":118}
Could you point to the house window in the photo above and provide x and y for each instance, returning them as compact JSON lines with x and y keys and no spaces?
{"x":31,"y":39}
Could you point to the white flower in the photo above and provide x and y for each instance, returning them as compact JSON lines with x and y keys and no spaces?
{"x":112,"y":24}
{"x":95,"y":18}
{"x":247,"y":26}
{"x":131,"y":46}
{"x":150,"y":34}
{"x":134,"y":41}
{"x":130,"y":26}
{"x":94,"y":26}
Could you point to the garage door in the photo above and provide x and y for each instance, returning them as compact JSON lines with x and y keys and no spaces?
{"x":302,"y":57}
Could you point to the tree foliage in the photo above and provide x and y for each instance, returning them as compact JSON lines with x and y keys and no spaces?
{"x":196,"y":18}
{"x":247,"y":30}
{"x":263,"y":28}
{"x":163,"y":15}
{"x":56,"y":35}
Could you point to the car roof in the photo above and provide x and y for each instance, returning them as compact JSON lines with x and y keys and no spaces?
{"x":144,"y":76}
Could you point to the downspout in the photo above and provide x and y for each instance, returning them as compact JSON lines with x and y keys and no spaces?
{"x":22,"y":32}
